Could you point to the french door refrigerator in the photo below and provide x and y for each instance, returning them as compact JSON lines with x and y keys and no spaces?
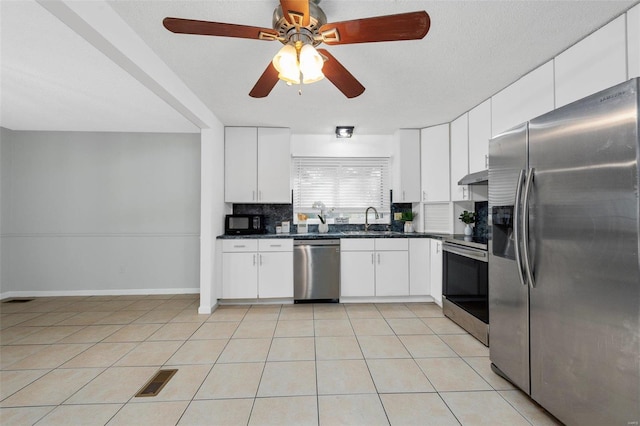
{"x":564,"y":274}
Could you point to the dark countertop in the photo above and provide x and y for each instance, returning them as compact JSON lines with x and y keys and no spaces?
{"x":345,"y":234}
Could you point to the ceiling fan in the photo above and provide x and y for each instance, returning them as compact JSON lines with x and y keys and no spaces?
{"x":301,"y":26}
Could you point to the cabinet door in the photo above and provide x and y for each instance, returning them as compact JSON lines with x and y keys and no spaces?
{"x":240,"y":165}
{"x":479,"y":135}
{"x":392,"y":273}
{"x":419,"y":267}
{"x":459,"y":157}
{"x":605,"y":55}
{"x":239,"y":275}
{"x":274,"y":165}
{"x":357,"y":274}
{"x":436,"y":271}
{"x":434,"y":155}
{"x":275,"y":278}
{"x":406,"y":166}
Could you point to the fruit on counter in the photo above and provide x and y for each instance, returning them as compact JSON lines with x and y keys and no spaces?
{"x":302,"y":217}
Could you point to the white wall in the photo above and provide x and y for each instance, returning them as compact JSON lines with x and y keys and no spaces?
{"x":213,"y":209}
{"x":330,"y":146}
{"x":100,"y":213}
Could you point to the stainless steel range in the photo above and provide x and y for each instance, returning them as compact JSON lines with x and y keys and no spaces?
{"x":465,"y":286}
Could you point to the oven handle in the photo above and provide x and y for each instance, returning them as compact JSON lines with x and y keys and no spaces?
{"x":465,"y":252}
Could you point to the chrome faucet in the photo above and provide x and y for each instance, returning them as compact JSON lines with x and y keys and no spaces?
{"x":366,"y":217}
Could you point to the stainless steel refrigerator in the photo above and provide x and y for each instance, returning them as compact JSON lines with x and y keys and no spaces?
{"x":564,"y":274}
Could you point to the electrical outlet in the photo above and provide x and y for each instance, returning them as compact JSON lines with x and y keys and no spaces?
{"x":397,"y":216}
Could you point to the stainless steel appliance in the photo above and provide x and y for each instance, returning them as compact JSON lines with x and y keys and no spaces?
{"x":564,"y":278}
{"x":244,"y":224}
{"x":465,"y":297}
{"x":316,"y":270}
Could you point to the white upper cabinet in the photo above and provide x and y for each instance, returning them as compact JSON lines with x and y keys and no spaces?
{"x":525,"y":99}
{"x":274,"y":165}
{"x":479,"y":135}
{"x":406,"y":166}
{"x":257,"y":165}
{"x":434,"y":154}
{"x":240,"y":164}
{"x":593,"y":64}
{"x":459,"y":157}
{"x":633,"y":42}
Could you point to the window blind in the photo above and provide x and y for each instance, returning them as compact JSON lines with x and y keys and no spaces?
{"x":347,"y":186}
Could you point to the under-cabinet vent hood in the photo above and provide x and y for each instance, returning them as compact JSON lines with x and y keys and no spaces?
{"x":477,"y":178}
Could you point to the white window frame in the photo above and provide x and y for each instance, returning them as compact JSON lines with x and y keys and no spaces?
{"x":346,"y":182}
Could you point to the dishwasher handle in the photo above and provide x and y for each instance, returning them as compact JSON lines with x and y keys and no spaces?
{"x":329,"y":242}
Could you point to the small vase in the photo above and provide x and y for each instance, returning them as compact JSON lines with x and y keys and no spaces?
{"x":323,"y":228}
{"x":467,"y":229}
{"x":408,"y":226}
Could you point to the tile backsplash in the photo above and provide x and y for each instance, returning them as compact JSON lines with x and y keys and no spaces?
{"x":275,"y":214}
{"x":481,"y":228}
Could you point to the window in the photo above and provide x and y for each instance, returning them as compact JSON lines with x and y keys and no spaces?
{"x":346,"y":186}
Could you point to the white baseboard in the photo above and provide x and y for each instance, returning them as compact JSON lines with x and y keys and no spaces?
{"x":387,"y":299}
{"x":205,"y":310}
{"x":114,"y":292}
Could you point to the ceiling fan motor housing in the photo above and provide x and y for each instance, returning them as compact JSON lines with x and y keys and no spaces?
{"x":293,"y":31}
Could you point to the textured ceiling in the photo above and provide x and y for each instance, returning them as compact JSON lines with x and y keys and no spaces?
{"x":52,"y":78}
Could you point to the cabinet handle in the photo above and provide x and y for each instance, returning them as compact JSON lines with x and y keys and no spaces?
{"x":378,"y":258}
{"x":254,"y":260}
{"x":239,"y":246}
{"x":403,"y":196}
{"x":275,"y":245}
{"x":253,"y":195}
{"x":424,"y":195}
{"x":437,"y":248}
{"x":486,"y":161}
{"x":372,"y":259}
{"x":259,"y":195}
{"x":260,"y":259}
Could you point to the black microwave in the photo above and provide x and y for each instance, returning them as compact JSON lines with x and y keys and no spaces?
{"x":243,"y":224}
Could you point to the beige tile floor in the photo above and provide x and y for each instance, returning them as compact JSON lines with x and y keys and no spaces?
{"x":80,"y":361}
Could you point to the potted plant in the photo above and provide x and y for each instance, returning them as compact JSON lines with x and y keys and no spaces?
{"x":467,"y":218}
{"x":407,"y":217}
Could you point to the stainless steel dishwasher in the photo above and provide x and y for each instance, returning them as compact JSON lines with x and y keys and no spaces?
{"x":316,"y":270}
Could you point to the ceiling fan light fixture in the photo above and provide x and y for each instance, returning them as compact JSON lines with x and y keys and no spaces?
{"x":344,"y":131}
{"x":286,"y":62}
{"x":310,"y":64}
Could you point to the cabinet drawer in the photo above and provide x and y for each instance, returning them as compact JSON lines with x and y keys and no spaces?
{"x":392,"y":244}
{"x":239,"y":245}
{"x":274,"y":244}
{"x":357,"y":244}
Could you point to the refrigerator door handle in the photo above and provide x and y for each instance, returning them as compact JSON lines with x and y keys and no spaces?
{"x":517,"y":219}
{"x":525,"y":228}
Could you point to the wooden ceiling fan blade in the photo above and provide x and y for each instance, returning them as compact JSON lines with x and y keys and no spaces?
{"x":191,"y":26}
{"x":265,"y":83}
{"x":404,"y":26}
{"x":336,"y":73}
{"x":296,"y":12}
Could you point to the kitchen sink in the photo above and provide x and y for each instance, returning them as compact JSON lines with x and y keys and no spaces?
{"x":364,"y":233}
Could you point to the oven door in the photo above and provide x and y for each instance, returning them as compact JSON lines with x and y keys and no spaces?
{"x":465,"y":279}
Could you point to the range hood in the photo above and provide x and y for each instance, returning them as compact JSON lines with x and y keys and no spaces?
{"x":477,"y":178}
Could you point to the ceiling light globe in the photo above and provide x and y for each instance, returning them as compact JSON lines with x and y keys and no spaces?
{"x":286,"y":62}
{"x":311,"y":64}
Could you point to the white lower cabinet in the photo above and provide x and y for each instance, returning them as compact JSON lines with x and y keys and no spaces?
{"x":374,"y":267}
{"x":419,"y":267}
{"x":357,"y":273}
{"x":436,"y":271}
{"x":254,"y":269}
